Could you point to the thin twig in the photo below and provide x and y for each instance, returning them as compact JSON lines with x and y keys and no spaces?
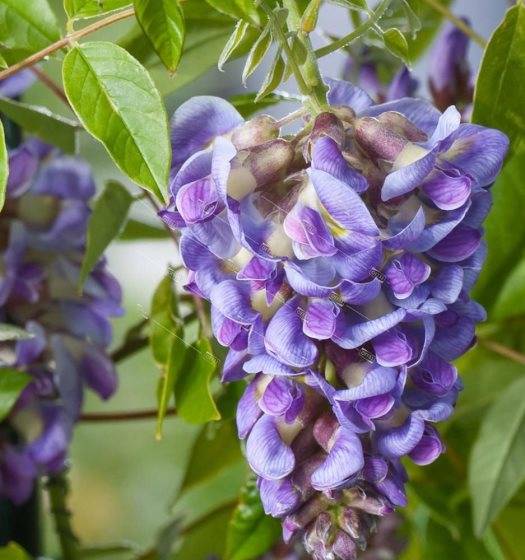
{"x":128,"y":348}
{"x":124,"y":416}
{"x":356,"y":33}
{"x":65,"y":41}
{"x":50,"y":84}
{"x":458,"y":22}
{"x":503,"y":350}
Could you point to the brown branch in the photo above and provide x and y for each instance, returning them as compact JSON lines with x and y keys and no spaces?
{"x":150,"y":414}
{"x":66,"y":41}
{"x":503,"y":350}
{"x":50,"y":84}
{"x":129,"y":348}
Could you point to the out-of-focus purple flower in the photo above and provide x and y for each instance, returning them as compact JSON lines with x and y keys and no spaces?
{"x":15,"y":85}
{"x":338,"y":264}
{"x":450,"y":81}
{"x":44,"y":225}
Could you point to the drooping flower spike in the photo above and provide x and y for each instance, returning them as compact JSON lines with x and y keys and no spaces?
{"x":43,"y":228}
{"x":338,"y":263}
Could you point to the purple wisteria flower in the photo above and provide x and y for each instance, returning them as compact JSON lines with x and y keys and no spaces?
{"x":43,"y":228}
{"x":338,"y":263}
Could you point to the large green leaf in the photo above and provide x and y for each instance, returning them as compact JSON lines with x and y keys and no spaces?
{"x":237,"y":9}
{"x":26,"y":26}
{"x":192,"y":393}
{"x":163,"y":24}
{"x":504,"y":231}
{"x":511,"y":297}
{"x":4,"y":166}
{"x":169,"y":377}
{"x":116,"y":100}
{"x":210,"y":494}
{"x":206,"y":539}
{"x":500,"y":87}
{"x":497,"y":463}
{"x":40,"y":122}
{"x":250,"y":532}
{"x":164,"y":321}
{"x":78,"y":9}
{"x":135,"y":229}
{"x":12,"y":382}
{"x":105,"y":223}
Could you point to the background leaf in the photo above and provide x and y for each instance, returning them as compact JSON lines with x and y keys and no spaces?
{"x":39,"y":121}
{"x":497,"y":464}
{"x":135,"y":229}
{"x":500,"y":87}
{"x":13,"y":551}
{"x":116,"y":100}
{"x":26,"y":26}
{"x":192,"y":392}
{"x":77,"y":9}
{"x":12,"y":382}
{"x":105,"y":223}
{"x":237,"y":9}
{"x":250,"y":532}
{"x":163,"y":24}
{"x":4,"y":166}
{"x":504,"y":231}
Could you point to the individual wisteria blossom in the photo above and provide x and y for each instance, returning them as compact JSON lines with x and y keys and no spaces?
{"x":43,"y":229}
{"x":338,"y":263}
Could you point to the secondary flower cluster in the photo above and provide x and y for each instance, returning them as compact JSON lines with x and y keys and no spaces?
{"x":338,"y":262}
{"x":42,"y":232}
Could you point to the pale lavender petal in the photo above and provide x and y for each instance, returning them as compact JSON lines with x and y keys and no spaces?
{"x":344,"y":460}
{"x":232,"y":299}
{"x":408,"y":234}
{"x":320,"y":319}
{"x":392,"y":348}
{"x":279,"y":497}
{"x":378,"y":381}
{"x":345,"y":93}
{"x":285,"y":339}
{"x":267,"y":364}
{"x":458,"y":245}
{"x":448,"y":190}
{"x":266,"y":452}
{"x":248,"y":411}
{"x":407,"y":178}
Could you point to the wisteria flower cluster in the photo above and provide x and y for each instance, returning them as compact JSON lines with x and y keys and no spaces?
{"x":338,"y":262}
{"x":43,"y":230}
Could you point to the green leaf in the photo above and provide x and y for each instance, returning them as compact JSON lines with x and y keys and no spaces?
{"x":497,"y":462}
{"x":216,"y":448}
{"x":192,"y":393}
{"x":12,"y":382}
{"x":500,"y":87}
{"x":169,"y":378}
{"x":396,"y":43}
{"x":12,"y":332}
{"x":210,"y":494}
{"x":13,"y":551}
{"x":273,"y":78}
{"x":41,"y":122}
{"x":247,"y":105}
{"x":206,"y":539}
{"x":257,"y":53}
{"x":4,"y":166}
{"x":504,"y":231}
{"x":134,"y":230}
{"x":79,"y":9}
{"x":251,"y":532}
{"x":116,"y":100}
{"x":163,"y":24}
{"x":105,"y":224}
{"x":511,"y":297}
{"x":237,"y":9}
{"x":164,"y":321}
{"x":310,"y":16}
{"x":26,"y":26}
{"x":236,"y":38}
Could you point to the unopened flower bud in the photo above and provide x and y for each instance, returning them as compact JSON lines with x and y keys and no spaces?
{"x":254,"y":132}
